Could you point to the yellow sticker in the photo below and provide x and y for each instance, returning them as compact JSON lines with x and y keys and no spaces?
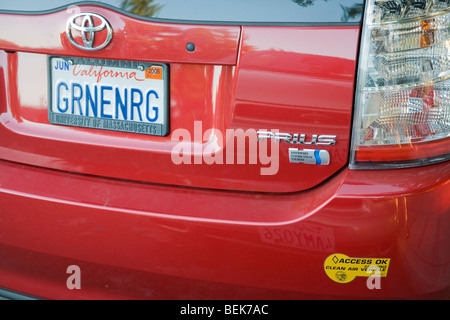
{"x":343,"y":269}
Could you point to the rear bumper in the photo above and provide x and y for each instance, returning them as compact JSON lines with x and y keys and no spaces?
{"x":133,"y":240}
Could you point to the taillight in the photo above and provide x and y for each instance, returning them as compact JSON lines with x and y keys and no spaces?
{"x":402,"y":105}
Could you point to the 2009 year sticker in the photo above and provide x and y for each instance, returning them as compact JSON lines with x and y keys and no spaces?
{"x":343,"y":269}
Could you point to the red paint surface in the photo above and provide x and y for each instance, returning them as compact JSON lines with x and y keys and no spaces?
{"x":140,"y":226}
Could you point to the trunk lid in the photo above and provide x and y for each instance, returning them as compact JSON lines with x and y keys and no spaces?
{"x":225,"y":82}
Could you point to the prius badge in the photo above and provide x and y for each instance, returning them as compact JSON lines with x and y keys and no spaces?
{"x":306,"y":156}
{"x":88,"y":31}
{"x":324,"y":140}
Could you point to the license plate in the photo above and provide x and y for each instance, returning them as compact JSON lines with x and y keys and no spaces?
{"x":115,"y":95}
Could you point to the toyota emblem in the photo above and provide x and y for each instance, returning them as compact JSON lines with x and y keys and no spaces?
{"x":88,"y":31}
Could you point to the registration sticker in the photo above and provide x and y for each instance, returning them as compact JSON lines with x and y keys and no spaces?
{"x":116,"y":95}
{"x":343,"y":269}
{"x":154,"y":72}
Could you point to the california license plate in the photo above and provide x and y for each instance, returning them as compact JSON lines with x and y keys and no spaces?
{"x":116,"y":95}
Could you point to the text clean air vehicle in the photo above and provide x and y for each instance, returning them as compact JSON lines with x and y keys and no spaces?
{"x":204,"y":149}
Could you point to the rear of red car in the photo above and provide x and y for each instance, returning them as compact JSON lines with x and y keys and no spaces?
{"x":225,"y":150}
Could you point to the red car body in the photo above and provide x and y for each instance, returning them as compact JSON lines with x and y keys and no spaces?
{"x":140,"y":226}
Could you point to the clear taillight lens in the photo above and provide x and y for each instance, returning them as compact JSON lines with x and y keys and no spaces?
{"x":402,"y":105}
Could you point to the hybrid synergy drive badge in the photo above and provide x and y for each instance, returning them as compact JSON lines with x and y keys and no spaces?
{"x":343,"y":269}
{"x":309,"y":156}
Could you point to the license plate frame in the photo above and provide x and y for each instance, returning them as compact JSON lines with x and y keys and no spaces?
{"x":122,"y":82}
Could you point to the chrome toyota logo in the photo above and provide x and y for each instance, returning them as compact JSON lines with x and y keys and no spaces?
{"x":83,"y":28}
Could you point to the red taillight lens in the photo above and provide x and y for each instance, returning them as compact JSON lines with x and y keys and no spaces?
{"x":403,"y":152}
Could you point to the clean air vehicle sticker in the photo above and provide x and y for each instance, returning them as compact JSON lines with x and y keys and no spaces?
{"x":343,"y":269}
